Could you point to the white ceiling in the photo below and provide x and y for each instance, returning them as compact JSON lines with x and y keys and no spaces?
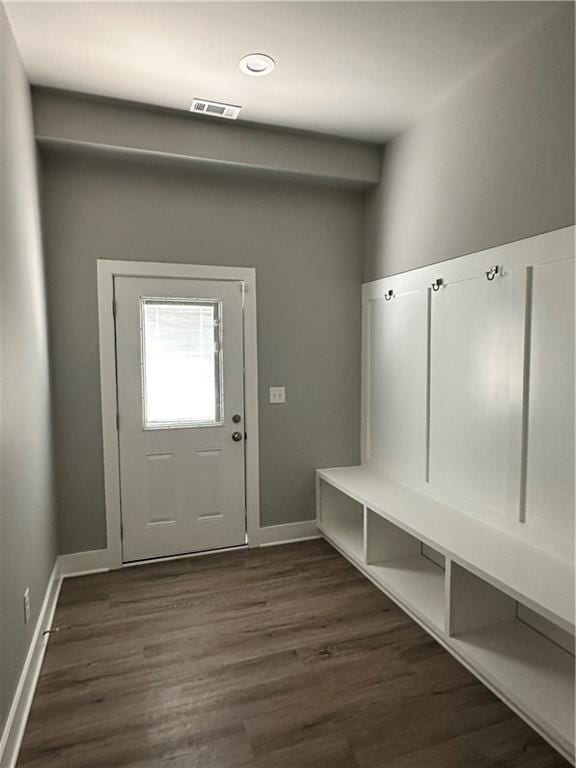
{"x":357,"y":69}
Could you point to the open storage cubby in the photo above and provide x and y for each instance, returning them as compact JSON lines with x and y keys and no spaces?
{"x":341,"y":519}
{"x":406,"y":568}
{"x":526,"y":657}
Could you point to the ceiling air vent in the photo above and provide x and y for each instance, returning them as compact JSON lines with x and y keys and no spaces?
{"x":215,"y":109}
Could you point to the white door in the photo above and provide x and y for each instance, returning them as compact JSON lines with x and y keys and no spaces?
{"x":179,"y":346}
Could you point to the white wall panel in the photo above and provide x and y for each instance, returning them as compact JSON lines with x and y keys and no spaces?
{"x":474,"y":342}
{"x":549,"y":501}
{"x":396,"y":350}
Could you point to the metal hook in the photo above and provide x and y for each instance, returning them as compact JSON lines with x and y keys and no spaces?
{"x":492,"y":272}
{"x":437,"y":284}
{"x":389,"y":295}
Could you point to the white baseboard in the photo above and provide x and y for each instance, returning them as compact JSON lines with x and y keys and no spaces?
{"x":22,"y":701}
{"x":82,"y":563}
{"x":282,"y":534}
{"x":98,"y":560}
{"x":186,"y":556}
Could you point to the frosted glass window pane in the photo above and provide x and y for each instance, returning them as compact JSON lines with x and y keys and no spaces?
{"x":181,"y":361}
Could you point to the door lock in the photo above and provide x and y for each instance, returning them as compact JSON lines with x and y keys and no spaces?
{"x":236,"y":418}
{"x":236,"y":436}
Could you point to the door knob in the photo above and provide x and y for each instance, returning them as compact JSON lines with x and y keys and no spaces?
{"x":236,"y":436}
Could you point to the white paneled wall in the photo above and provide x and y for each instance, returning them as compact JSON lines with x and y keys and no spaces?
{"x":549,"y":501}
{"x":469,"y":385}
{"x":473,"y":339}
{"x":396,"y":421}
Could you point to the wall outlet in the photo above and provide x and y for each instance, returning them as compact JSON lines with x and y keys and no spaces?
{"x":27,"y":605}
{"x":277,"y":394}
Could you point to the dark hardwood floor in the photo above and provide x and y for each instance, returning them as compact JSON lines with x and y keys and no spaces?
{"x":284,"y":657}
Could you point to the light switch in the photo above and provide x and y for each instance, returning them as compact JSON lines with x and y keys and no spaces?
{"x":277,"y":394}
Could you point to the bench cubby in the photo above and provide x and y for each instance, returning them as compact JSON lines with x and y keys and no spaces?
{"x":401,"y":564}
{"x":529,"y":659}
{"x":342,"y":520}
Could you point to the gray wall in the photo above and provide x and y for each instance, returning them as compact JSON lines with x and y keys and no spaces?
{"x":71,"y":117}
{"x":305,"y":242}
{"x":492,"y":164}
{"x":27,"y":519}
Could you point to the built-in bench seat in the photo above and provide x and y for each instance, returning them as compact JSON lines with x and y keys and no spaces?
{"x":500,"y":605}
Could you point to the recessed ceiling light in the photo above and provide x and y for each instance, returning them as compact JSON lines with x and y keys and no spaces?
{"x":257,"y":64}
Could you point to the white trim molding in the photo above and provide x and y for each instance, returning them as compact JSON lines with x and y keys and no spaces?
{"x":18,"y":716}
{"x":97,"y":560}
{"x":82,"y":563}
{"x":288,"y":532}
{"x":108,"y":270}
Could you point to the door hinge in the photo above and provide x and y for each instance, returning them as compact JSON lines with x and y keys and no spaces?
{"x":117,"y":421}
{"x":114,"y":307}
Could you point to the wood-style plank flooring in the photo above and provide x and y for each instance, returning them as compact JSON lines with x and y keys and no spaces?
{"x":283,"y":657}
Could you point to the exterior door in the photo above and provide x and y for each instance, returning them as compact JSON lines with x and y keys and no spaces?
{"x":180,"y":378}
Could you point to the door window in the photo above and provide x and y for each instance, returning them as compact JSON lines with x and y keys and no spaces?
{"x":181,"y":363}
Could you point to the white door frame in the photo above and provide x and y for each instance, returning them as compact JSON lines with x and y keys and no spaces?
{"x":107,"y":271}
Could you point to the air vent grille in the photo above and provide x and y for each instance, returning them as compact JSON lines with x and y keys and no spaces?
{"x":215,"y":109}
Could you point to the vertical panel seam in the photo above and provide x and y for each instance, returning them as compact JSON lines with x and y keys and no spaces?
{"x":526,"y":392}
{"x":428,"y":380}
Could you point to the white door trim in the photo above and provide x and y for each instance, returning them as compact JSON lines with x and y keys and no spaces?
{"x":107,"y":271}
